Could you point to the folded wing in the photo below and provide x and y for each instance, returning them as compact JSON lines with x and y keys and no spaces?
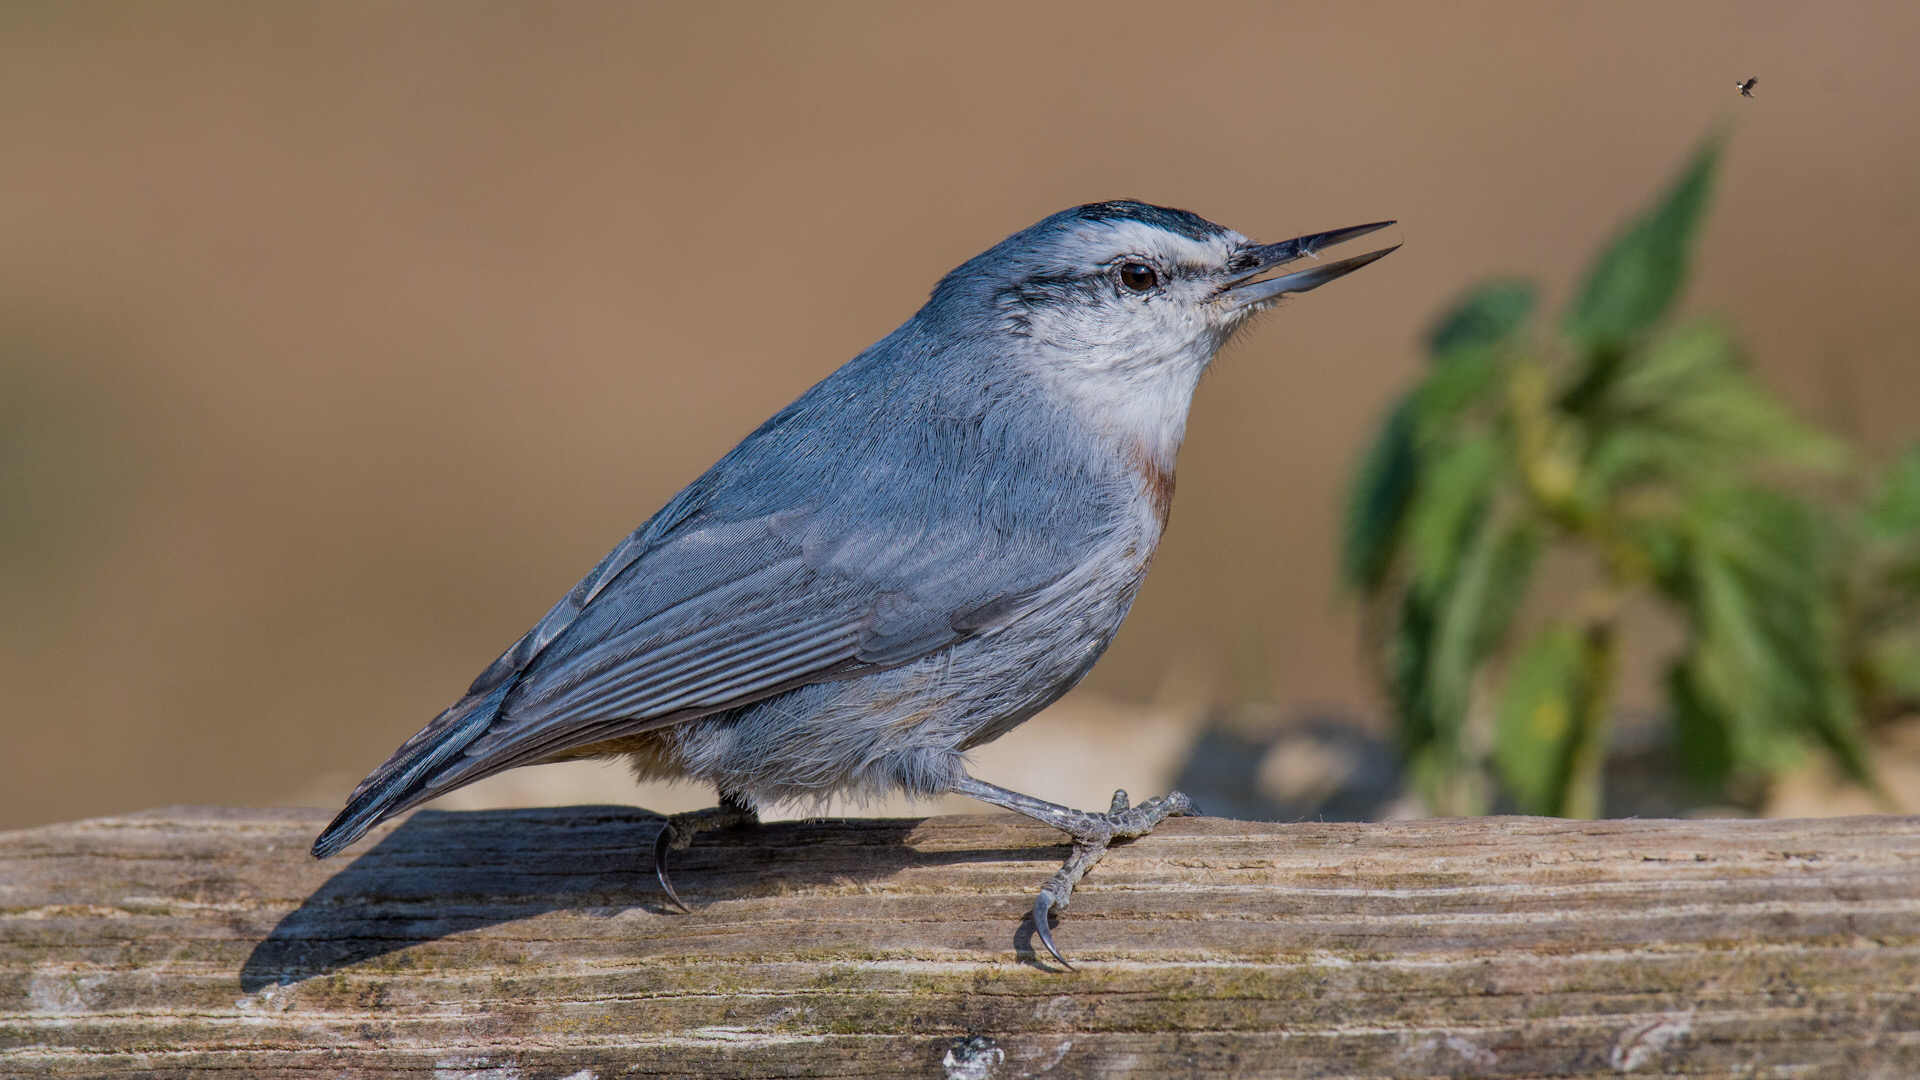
{"x":699,"y":616}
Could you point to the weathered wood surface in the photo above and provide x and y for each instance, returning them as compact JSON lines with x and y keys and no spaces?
{"x":533,"y":944}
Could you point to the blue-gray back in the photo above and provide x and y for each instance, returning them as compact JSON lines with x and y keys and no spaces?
{"x":918,"y":495}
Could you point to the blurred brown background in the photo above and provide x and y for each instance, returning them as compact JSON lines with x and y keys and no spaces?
{"x":337,"y":340}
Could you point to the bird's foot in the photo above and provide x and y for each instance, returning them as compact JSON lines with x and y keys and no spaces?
{"x":1092,"y":834}
{"x":678,"y":831}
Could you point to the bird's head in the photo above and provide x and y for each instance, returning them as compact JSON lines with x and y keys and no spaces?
{"x":1123,"y":304}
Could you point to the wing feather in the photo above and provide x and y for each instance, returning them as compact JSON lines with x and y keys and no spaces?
{"x":857,"y":530}
{"x":708,"y":624}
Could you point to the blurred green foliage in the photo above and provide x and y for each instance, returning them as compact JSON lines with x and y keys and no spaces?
{"x":1882,"y":593}
{"x":1645,"y":449}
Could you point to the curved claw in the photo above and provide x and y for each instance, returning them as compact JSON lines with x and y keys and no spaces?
{"x":661,"y":845}
{"x":1042,"y":912}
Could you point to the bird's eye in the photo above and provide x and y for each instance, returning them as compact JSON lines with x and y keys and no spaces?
{"x":1138,"y":276}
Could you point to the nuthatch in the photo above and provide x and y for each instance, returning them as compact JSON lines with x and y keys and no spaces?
{"x":928,"y":547}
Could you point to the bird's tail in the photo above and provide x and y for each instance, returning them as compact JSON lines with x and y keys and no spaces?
{"x":407,"y":778}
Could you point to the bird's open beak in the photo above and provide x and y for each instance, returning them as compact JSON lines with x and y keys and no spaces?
{"x":1243,"y":290}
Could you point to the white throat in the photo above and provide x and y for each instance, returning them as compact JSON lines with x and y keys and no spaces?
{"x":1141,"y":405}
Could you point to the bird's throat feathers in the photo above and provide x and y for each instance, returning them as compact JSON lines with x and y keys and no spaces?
{"x":1139,"y":404}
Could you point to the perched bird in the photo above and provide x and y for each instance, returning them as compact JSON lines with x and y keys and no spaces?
{"x":1746,"y":88}
{"x":928,"y":547}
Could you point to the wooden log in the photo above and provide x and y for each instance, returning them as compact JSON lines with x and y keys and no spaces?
{"x":534,"y":944}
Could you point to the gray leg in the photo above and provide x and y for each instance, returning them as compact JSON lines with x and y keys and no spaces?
{"x":1091,"y":834}
{"x":680,"y":829}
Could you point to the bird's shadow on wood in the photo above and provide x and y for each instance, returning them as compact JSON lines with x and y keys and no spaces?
{"x":444,"y":872}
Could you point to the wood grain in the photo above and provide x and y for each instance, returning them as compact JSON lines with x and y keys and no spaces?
{"x":532,"y":944}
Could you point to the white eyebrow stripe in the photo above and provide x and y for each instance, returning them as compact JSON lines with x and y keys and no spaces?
{"x":1136,"y":237}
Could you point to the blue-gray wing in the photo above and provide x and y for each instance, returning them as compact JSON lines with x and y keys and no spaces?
{"x":903,"y":503}
{"x":695,"y":615}
{"x":725,"y":615}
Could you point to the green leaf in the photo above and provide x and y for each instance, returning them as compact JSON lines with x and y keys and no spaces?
{"x":1514,"y":557}
{"x":1455,"y":489}
{"x":1659,"y":542}
{"x":1451,"y":656}
{"x":1537,"y":718}
{"x":1764,"y":657}
{"x":1430,"y":423}
{"x":1731,"y":666}
{"x":1378,"y":500}
{"x":1694,"y":385}
{"x":1409,"y":646}
{"x":1636,"y":280}
{"x":1701,"y":733}
{"x":1893,"y":660}
{"x":1685,"y":414}
{"x":1700,"y":352}
{"x":1465,"y":390}
{"x":1485,"y":317}
{"x":1893,"y":513}
{"x":1659,"y":455}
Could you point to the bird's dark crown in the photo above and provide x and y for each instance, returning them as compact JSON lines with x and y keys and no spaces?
{"x":1182,"y":222}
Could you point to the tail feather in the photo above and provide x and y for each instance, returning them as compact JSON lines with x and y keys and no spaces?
{"x":406,"y":779}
